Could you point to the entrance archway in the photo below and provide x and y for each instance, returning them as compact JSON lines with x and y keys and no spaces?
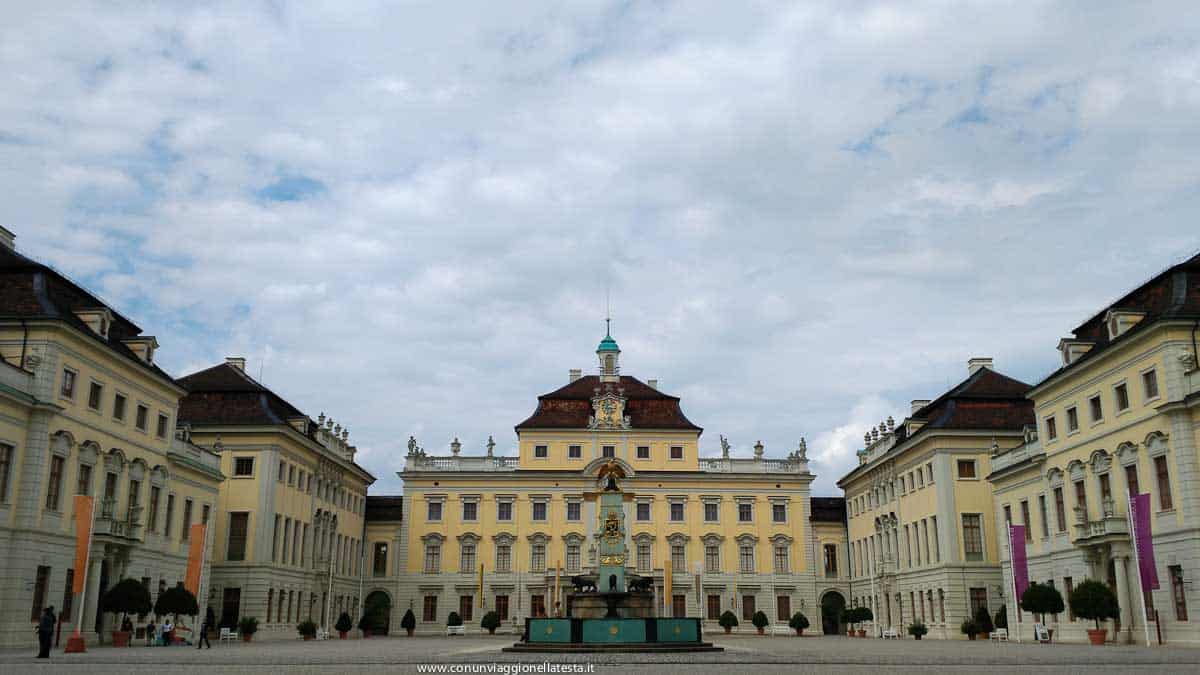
{"x":377,"y":608}
{"x":832,"y":605}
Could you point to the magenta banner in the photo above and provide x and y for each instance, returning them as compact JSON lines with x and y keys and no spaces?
{"x":1139,"y":506}
{"x":1020,"y":565}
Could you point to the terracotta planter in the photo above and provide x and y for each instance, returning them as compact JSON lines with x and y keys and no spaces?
{"x":727,"y":629}
{"x":862,"y":632}
{"x":121,"y":638}
{"x":409,"y":631}
{"x":970,"y":637}
{"x":1097,"y":637}
{"x":800,"y":632}
{"x":491,"y":631}
{"x":760,"y":631}
{"x":309,"y":637}
{"x":984,"y":635}
{"x":342,"y":634}
{"x":916,"y":637}
{"x":849,"y":632}
{"x":246,"y":637}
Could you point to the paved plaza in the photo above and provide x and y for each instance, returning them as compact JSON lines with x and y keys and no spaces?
{"x":744,"y":654}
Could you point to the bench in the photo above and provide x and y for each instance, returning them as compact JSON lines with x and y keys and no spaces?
{"x":227,"y":635}
{"x":890,"y":634}
{"x":998,"y":635}
{"x":456,"y":630}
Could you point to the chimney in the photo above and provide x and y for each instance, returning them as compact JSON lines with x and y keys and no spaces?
{"x":917,"y":404}
{"x":973,"y":365}
{"x":8,"y":240}
{"x":574,"y":374}
{"x":653,"y":384}
{"x":238,"y":362}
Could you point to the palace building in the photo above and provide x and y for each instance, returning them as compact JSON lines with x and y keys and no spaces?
{"x":920,"y":507}
{"x":84,"y":410}
{"x":290,"y":527}
{"x":1121,"y":415}
{"x":713,"y":533}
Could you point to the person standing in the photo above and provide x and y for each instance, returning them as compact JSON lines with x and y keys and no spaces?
{"x":45,"y":631}
{"x":207,"y":625}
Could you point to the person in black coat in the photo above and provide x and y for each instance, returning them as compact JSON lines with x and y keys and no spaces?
{"x":45,"y":632}
{"x":209,"y":620}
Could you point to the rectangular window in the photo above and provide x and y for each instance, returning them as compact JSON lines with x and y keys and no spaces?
{"x":1060,"y":509}
{"x":574,"y":511}
{"x":676,"y":512}
{"x":466,"y":558}
{"x":95,"y":394}
{"x":283,"y":471}
{"x":135,"y":491}
{"x":1164,"y":483}
{"x":161,"y":429}
{"x":972,"y":527}
{"x":1131,"y":479}
{"x":1025,"y":520}
{"x":139,"y":419}
{"x":713,"y":608}
{"x":1069,"y":587}
{"x":1042,"y":514}
{"x":470,"y":510}
{"x":1072,"y":419}
{"x":676,"y":452}
{"x":541,"y":451}
{"x":746,"y":558}
{"x":42,"y":581}
{"x":966,"y":468}
{"x":831,"y":568}
{"x":170,"y":516}
{"x":537,"y":557}
{"x":745,"y":512}
{"x":187,"y":520}
{"x":152,"y":517}
{"x":433,"y":558}
{"x":54,"y":488}
{"x":539,"y":511}
{"x":68,"y":600}
{"x":119,"y":407}
{"x":504,"y":511}
{"x":1150,"y":384}
{"x":238,"y":529}
{"x":68,"y":383}
{"x":643,"y":452}
{"x":1097,"y":408}
{"x":781,"y":559}
{"x":678,"y":560}
{"x":572,"y":557}
{"x":466,"y":607}
{"x":503,"y":558}
{"x":6,"y":458}
{"x":243,"y":466}
{"x":1122,"y":395}
{"x":608,"y":451}
{"x":1177,"y":593}
{"x":747,"y":607}
{"x":779,"y":512}
{"x":1105,"y":489}
{"x":920,"y":479}
{"x":978,"y":599}
{"x":502,"y":607}
{"x":643,"y":511}
{"x":83,"y":484}
{"x":574,"y":451}
{"x":643,"y":555}
{"x":1007,"y":515}
{"x":712,"y":559}
{"x":1051,"y":428}
{"x":433,"y":511}
{"x":537,"y":605}
{"x":678,"y":606}
{"x":429,"y":608}
{"x":291,"y":474}
{"x":710,"y":512}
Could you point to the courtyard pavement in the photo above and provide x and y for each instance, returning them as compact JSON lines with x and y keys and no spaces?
{"x":744,"y":654}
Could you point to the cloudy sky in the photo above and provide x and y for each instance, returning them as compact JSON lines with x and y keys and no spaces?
{"x":408,"y":216}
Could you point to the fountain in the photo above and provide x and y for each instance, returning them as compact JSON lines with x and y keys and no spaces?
{"x":610,"y":609}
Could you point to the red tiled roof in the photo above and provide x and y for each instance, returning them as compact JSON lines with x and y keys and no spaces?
{"x":226,"y":395}
{"x":570,"y":406}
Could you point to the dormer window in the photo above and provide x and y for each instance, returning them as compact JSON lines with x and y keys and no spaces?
{"x":1119,"y":321}
{"x":1072,"y":350}
{"x":143,"y":347}
{"x":98,"y":319}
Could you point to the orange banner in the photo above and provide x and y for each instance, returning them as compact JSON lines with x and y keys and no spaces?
{"x":191,"y":580}
{"x":83,"y":540}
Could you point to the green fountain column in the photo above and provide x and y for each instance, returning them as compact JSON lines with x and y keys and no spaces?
{"x":613,"y":553}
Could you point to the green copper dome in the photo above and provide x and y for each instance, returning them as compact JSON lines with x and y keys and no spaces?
{"x":608,"y":344}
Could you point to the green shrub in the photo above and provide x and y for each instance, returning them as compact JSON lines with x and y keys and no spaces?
{"x":917,"y":629}
{"x":490,"y":622}
{"x":760,"y":620}
{"x":1094,"y":600}
{"x":969,"y":628}
{"x":1001,"y":617}
{"x":175,"y":601}
{"x":129,"y":596}
{"x":1042,"y":599}
{"x":307,"y":628}
{"x":863,"y":614}
{"x":454,"y":619}
{"x":344,"y":623}
{"x":798,"y":622}
{"x":984,"y":620}
{"x":727,"y":620}
{"x":248,"y":625}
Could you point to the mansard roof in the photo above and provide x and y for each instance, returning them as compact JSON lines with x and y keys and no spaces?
{"x":224,"y":394}
{"x":570,"y":406}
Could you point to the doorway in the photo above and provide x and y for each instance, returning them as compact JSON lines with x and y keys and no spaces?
{"x":832,"y":605}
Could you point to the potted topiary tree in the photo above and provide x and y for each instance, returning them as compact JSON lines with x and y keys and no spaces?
{"x":364,"y":625}
{"x":798,"y":623}
{"x":728,"y":620}
{"x":409,"y":622}
{"x":307,"y":629}
{"x":847,"y":617}
{"x":1000,"y":620}
{"x":864,"y":614}
{"x":969,"y":628}
{"x":453,"y":621}
{"x":1042,"y":599}
{"x":984,"y":621}
{"x":343,"y":625}
{"x":129,"y":596}
{"x":760,"y":621}
{"x":248,"y":626}
{"x":1096,"y":601}
{"x":490,"y":622}
{"x":917,"y":629}
{"x":175,"y":601}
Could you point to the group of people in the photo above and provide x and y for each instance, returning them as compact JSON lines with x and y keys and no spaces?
{"x":156,"y":634}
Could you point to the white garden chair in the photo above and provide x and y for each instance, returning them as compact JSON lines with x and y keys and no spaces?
{"x":998,"y":635}
{"x":226,"y":635}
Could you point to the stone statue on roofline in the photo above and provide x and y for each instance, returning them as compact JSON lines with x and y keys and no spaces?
{"x":724,"y":447}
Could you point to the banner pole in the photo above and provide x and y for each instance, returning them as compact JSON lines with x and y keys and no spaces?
{"x":1012,"y":568}
{"x":1137,"y":565}
{"x":76,"y":643}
